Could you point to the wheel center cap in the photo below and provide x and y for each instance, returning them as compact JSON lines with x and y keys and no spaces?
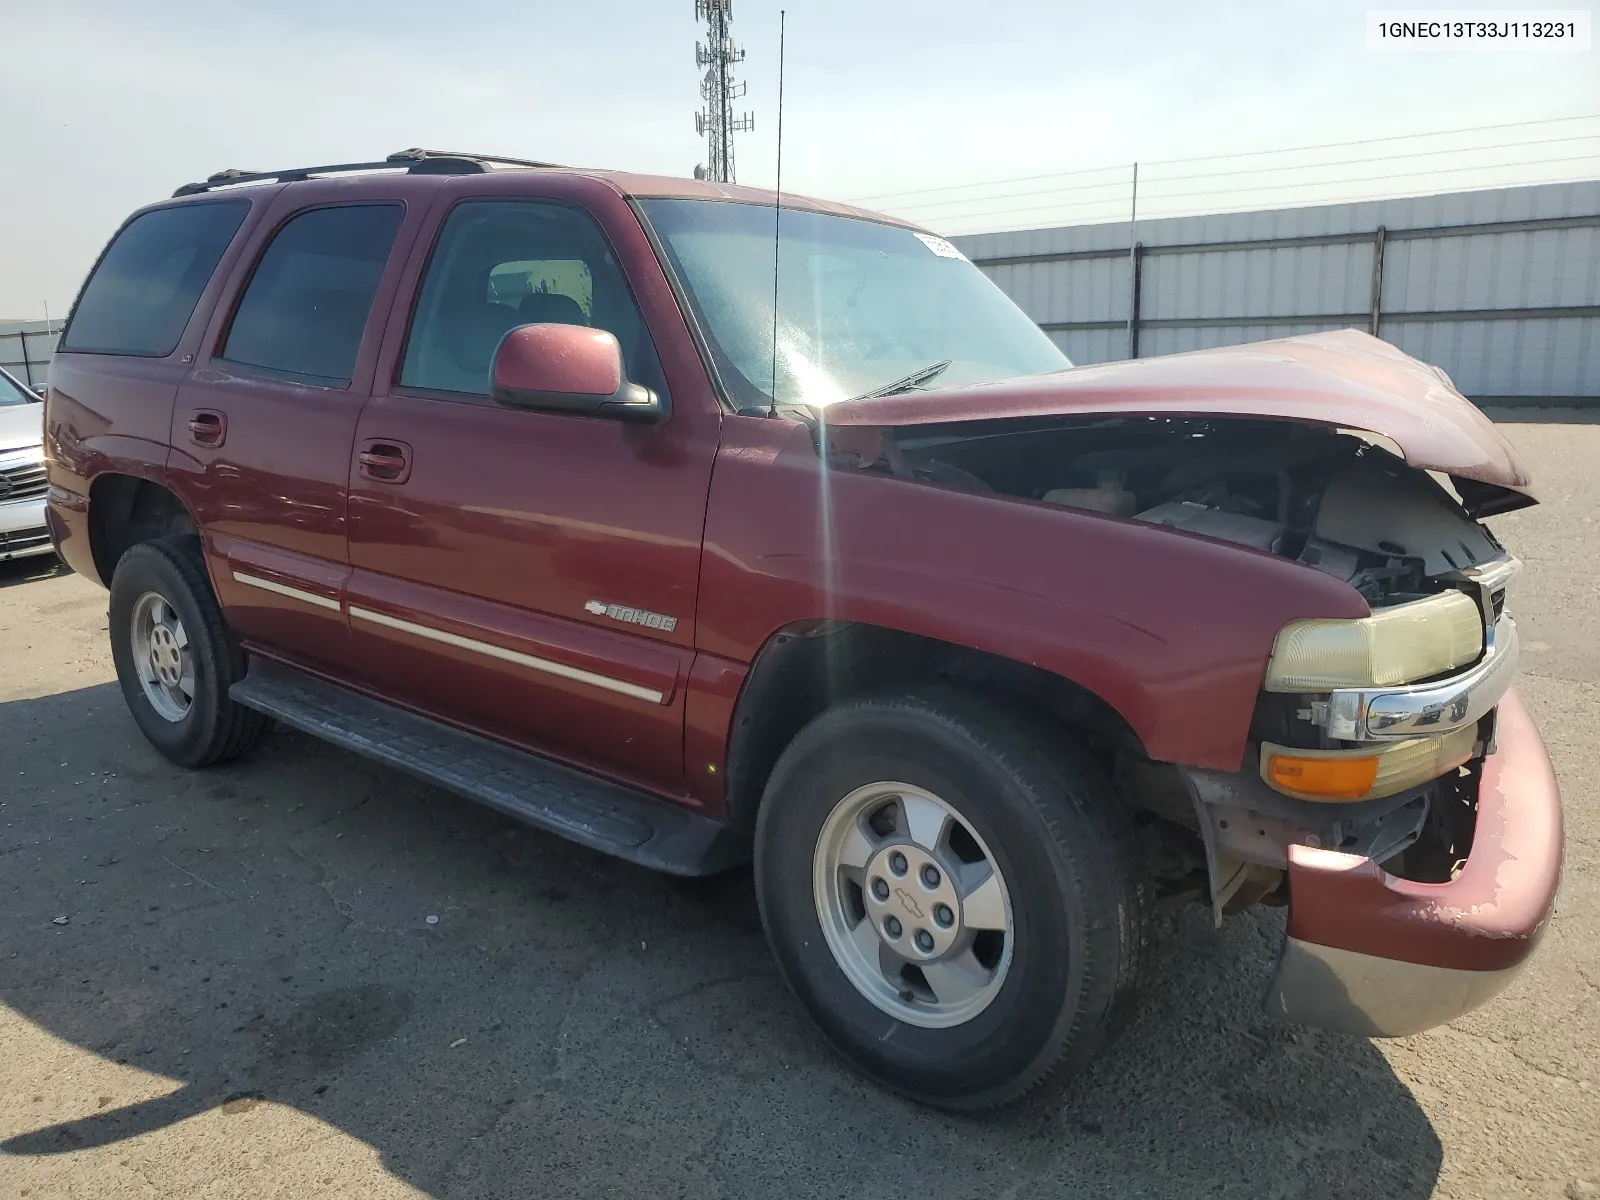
{"x":165,"y":656}
{"x":912,"y":901}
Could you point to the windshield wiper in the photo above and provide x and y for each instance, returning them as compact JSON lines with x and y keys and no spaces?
{"x":907,"y":383}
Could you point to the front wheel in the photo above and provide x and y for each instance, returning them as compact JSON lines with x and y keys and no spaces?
{"x":959,"y":904}
{"x":174,"y":658}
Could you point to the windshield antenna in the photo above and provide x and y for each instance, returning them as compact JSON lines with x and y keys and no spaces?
{"x":777,"y":215}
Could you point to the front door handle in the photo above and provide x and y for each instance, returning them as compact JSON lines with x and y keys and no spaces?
{"x":384,"y":461}
{"x":208,"y":428}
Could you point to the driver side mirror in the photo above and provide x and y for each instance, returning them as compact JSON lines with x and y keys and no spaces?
{"x":570,"y":369}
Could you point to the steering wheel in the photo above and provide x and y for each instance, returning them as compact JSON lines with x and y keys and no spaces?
{"x":882,"y":347}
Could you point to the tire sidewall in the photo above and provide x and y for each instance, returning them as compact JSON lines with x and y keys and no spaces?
{"x":1042,"y":999}
{"x":146,"y":568}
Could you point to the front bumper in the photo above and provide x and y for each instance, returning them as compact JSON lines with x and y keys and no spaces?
{"x":1373,"y":954}
{"x":22,"y":529}
{"x":22,"y":492}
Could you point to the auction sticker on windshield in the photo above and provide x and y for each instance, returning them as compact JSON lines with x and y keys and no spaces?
{"x":938,"y":245}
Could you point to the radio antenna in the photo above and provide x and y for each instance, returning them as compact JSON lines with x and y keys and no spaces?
{"x":777,"y":216}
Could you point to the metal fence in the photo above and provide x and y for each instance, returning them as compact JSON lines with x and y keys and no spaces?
{"x":1499,"y":288}
{"x":26,"y":347}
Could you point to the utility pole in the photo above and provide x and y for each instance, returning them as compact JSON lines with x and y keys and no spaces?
{"x":716,"y":122}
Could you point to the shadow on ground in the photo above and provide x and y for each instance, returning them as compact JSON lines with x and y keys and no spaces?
{"x":261,"y":931}
{"x":35,"y":567}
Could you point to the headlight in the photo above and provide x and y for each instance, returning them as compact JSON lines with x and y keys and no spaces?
{"x":1402,"y":644}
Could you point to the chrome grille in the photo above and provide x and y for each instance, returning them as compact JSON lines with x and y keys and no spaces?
{"x":20,"y":541}
{"x":1493,"y":582}
{"x":24,"y":481}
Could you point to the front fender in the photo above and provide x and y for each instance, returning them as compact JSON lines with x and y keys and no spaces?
{"x":1173,"y":631}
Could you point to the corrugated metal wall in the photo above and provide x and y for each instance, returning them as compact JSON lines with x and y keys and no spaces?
{"x":26,"y":347}
{"x":1500,"y":288}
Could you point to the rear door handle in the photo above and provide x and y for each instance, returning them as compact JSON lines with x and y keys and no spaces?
{"x":208,"y":428}
{"x":384,"y":461}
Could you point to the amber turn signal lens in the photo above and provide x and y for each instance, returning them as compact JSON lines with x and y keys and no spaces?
{"x":1365,"y":773}
{"x":1333,"y":778}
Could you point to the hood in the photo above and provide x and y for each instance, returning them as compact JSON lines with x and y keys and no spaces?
{"x":1346,"y":379}
{"x":21,"y":425}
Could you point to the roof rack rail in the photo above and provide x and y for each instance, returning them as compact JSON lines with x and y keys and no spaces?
{"x":493,"y":159}
{"x":415,"y":161}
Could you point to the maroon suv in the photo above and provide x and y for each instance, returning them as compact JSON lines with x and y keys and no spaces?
{"x":511,"y":477}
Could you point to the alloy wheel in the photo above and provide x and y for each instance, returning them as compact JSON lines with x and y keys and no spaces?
{"x":912,"y":905}
{"x":161,"y":656}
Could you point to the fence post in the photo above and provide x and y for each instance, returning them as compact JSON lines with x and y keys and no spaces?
{"x":1377,"y":281}
{"x":1133,"y":301}
{"x":27,"y":367}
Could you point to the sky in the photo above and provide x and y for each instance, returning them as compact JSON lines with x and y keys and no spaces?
{"x":919,"y":106}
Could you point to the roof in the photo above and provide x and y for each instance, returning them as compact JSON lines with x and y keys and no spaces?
{"x":669,"y":186}
{"x":454,"y":163}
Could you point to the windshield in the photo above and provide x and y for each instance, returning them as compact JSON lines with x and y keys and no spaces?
{"x":12,"y":392}
{"x":861,"y":305}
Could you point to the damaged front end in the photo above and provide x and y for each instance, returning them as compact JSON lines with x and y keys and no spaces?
{"x":1357,"y":721}
{"x":1393,"y":792}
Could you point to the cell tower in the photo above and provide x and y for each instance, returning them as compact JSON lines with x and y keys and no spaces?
{"x":716,"y":122}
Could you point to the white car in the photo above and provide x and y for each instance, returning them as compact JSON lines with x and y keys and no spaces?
{"x":22,"y":484}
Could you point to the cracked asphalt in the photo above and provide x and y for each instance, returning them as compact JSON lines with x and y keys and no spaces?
{"x":301,"y":975}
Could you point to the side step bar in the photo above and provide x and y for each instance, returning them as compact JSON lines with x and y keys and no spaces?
{"x":593,"y":812}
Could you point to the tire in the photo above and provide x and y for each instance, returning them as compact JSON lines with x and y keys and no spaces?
{"x":191,"y":721}
{"x":1039,"y":814}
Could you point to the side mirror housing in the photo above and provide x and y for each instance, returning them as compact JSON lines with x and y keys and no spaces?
{"x":570,"y":369}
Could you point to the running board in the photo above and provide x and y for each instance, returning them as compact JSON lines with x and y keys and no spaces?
{"x":592,"y":812}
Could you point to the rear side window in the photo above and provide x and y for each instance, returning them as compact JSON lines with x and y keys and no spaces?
{"x":306,"y":305}
{"x":145,"y":287}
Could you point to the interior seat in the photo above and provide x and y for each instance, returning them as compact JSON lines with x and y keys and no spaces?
{"x":550,"y":308}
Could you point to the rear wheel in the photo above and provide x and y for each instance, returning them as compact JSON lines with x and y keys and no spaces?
{"x":174,"y":658}
{"x":959,"y":904}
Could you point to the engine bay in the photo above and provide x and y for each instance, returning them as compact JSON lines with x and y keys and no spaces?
{"x":1330,"y":499}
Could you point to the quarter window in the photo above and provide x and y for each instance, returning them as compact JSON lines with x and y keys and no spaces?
{"x":306,"y":305}
{"x":500,"y":264}
{"x":145,"y":286}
